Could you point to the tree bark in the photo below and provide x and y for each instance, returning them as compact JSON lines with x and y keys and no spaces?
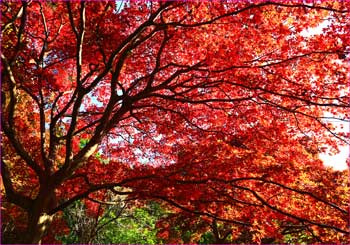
{"x":39,"y":219}
{"x":37,"y":227}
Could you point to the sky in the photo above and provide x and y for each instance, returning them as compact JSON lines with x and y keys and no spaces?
{"x":338,"y":161}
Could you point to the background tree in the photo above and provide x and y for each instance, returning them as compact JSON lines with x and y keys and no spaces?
{"x":136,"y":84}
{"x":119,"y":223}
{"x":277,"y":204}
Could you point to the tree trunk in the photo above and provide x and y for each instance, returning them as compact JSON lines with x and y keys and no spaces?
{"x":38,"y":219}
{"x":37,"y":227}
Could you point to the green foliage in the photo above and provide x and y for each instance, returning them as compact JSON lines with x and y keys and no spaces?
{"x":137,"y":227}
{"x":77,"y":207}
{"x":207,"y":238}
{"x":298,"y":238}
{"x":117,"y":225}
{"x":83,"y":143}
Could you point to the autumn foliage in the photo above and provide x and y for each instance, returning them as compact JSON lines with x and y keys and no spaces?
{"x":217,"y":110}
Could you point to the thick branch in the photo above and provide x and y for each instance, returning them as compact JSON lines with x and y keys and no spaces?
{"x":10,"y":133}
{"x":11,"y":195}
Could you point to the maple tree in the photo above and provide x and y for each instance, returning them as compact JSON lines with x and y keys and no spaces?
{"x":173,"y":101}
{"x":251,"y":202}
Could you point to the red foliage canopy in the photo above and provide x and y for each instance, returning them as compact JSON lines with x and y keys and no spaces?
{"x":175,"y":101}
